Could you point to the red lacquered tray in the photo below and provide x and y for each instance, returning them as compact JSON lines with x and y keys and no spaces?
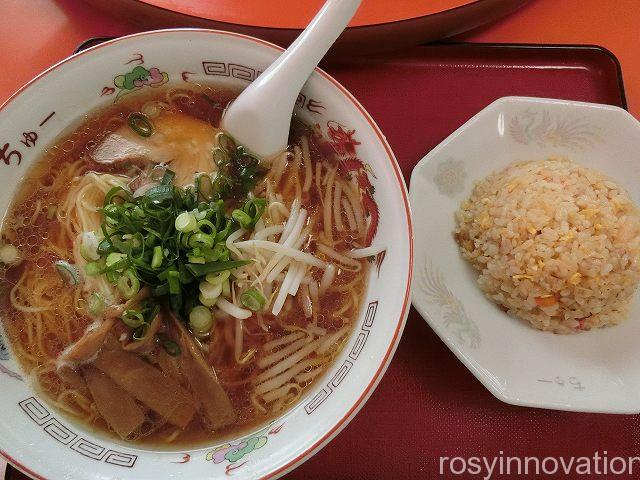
{"x":428,"y":405}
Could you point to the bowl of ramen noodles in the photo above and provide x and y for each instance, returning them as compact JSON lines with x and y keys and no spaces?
{"x":171,"y":304}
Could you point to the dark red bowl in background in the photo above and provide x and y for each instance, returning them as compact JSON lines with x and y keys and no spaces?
{"x":379,"y":25}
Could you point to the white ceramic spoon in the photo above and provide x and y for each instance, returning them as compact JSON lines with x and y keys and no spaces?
{"x":259,"y":119}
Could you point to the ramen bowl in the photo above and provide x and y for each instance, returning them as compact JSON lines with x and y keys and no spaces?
{"x":44,"y":442}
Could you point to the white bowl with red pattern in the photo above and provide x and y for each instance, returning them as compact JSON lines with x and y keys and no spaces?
{"x":40,"y":440}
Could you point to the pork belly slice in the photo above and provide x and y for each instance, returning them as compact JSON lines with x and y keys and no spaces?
{"x":183,"y":142}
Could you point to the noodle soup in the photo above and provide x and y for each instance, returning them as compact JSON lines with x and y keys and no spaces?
{"x":162,"y":284}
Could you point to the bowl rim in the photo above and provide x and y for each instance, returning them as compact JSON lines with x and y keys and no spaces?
{"x":503,"y":393}
{"x":401,"y":320}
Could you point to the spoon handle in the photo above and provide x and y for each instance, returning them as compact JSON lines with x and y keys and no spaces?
{"x":272,"y":96}
{"x":299,"y":60}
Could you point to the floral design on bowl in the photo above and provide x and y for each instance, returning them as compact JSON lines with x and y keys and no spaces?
{"x":235,"y":451}
{"x":543,"y":129}
{"x":135,"y":79}
{"x":450,"y":177}
{"x":454,"y":317}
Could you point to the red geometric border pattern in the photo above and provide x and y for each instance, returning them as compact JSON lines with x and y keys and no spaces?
{"x":63,"y":434}
{"x":344,"y":369}
{"x":235,"y":70}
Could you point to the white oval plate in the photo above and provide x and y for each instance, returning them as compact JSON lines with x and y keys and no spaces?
{"x":595,"y":371}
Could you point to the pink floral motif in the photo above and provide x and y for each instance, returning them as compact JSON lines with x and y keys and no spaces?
{"x":155,"y":76}
{"x":136,"y":79}
{"x":234,"y":452}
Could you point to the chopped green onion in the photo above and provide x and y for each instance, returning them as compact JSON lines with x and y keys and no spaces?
{"x":242,"y":218}
{"x":226,"y":289}
{"x":171,"y":237}
{"x":168,"y":177}
{"x":207,"y":302}
{"x":160,"y":290}
{"x":156,"y":260}
{"x":186,"y":222}
{"x":128,"y":284}
{"x":92,"y":269}
{"x":96,"y":304}
{"x":212,"y":267}
{"x":209,"y":291}
{"x":207,"y":227}
{"x":220,"y":157}
{"x":176,"y":302}
{"x":114,"y":258}
{"x":89,"y":247}
{"x":115,"y":193}
{"x":200,"y":319}
{"x":201,"y":240}
{"x":140,"y":124}
{"x":218,"y":252}
{"x":173,"y":279}
{"x":140,"y":332}
{"x":183,"y":239}
{"x":133,"y":318}
{"x":104,"y":246}
{"x":254,"y":208}
{"x":253,"y":299}
{"x":68,"y":272}
{"x":198,"y":260}
{"x":204,"y":187}
{"x":112,"y":276}
{"x":218,"y":278}
{"x":171,"y":347}
{"x":226,"y":142}
{"x":159,"y":195}
{"x":133,"y":241}
{"x":222,"y":235}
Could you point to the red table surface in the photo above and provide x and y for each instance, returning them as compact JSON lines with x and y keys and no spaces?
{"x":428,"y":404}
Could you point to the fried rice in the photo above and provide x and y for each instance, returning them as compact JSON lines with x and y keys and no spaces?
{"x":556,"y":244}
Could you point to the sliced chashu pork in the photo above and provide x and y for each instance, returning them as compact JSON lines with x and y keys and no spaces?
{"x":148,"y":385}
{"x":88,"y":345}
{"x":182,"y":141}
{"x":116,"y":406}
{"x":214,"y":404}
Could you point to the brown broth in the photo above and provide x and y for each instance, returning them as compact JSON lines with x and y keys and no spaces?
{"x":34,"y":234}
